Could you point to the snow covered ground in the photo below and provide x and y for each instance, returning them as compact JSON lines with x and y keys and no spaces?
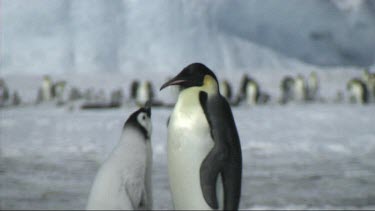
{"x":318,"y":155}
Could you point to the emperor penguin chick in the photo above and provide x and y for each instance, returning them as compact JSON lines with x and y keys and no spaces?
{"x":124,"y":180}
{"x":204,"y":151}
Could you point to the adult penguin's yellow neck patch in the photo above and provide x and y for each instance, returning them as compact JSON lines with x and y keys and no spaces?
{"x":210,"y":85}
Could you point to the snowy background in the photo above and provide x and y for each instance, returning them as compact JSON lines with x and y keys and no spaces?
{"x":299,"y":156}
{"x":65,"y":36}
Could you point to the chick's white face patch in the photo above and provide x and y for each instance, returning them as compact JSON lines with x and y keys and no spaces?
{"x":145,"y":122}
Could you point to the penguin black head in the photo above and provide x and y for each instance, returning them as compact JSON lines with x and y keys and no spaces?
{"x":191,"y":76}
{"x":141,"y":120}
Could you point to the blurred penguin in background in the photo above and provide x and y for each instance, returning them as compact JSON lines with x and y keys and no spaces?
{"x":4,"y":93}
{"x":144,"y":93}
{"x":300,"y":89}
{"x":58,"y":91}
{"x":312,"y":86}
{"x":133,"y":89}
{"x":46,"y":89}
{"x":123,"y":182}
{"x":287,"y":89}
{"x":74,"y":94}
{"x":226,"y":90}
{"x":252,"y":92}
{"x":249,"y":91}
{"x":357,"y":91}
{"x":369,"y":79}
{"x":16,"y":99}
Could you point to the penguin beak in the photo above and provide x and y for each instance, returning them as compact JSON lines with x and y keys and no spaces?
{"x":174,"y":81}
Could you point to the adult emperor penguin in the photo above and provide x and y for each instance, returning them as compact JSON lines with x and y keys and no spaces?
{"x":58,"y":89}
{"x":369,"y":79}
{"x":312,"y":86}
{"x":358,"y":92}
{"x":287,"y":89}
{"x":252,"y":92}
{"x":204,"y":151}
{"x":124,"y":180}
{"x":300,"y":90}
{"x":133,"y":89}
{"x":4,"y":92}
{"x":249,"y":91}
{"x":46,"y":89}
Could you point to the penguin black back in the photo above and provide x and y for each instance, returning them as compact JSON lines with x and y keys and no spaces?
{"x":227,"y":150}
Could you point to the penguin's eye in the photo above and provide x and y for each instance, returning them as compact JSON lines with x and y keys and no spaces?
{"x":143,"y":117}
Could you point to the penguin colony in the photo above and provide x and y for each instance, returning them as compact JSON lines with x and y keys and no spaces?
{"x":292,"y":89}
{"x":203,"y":145}
{"x":6,"y":98}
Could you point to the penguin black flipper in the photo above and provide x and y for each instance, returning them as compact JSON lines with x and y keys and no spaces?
{"x":225,"y":158}
{"x":209,"y":172}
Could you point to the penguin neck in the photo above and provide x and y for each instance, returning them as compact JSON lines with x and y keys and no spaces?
{"x":132,"y":138}
{"x":224,"y":89}
{"x":210,"y":86}
{"x":132,"y":149}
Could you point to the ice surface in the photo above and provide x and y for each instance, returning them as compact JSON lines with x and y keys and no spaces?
{"x":298,"y":156}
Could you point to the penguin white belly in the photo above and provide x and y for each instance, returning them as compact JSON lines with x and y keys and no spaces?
{"x":189,"y":142}
{"x":356,"y":92}
{"x":46,"y":87}
{"x":251,"y":94}
{"x":299,"y":90}
{"x":142,"y":93}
